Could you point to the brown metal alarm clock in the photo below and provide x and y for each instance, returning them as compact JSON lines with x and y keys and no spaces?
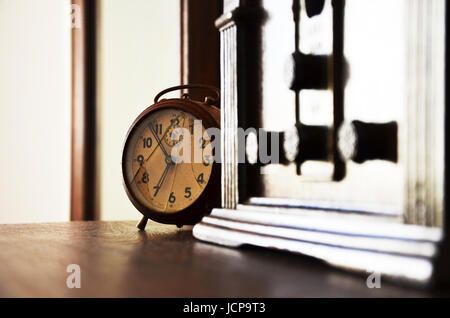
{"x":168,"y":167}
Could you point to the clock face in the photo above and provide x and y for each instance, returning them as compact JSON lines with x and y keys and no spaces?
{"x":168,"y":160}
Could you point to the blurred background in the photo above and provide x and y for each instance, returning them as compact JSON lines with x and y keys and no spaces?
{"x":137,"y":55}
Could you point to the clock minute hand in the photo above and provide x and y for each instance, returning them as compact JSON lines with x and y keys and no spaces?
{"x":172,"y":123}
{"x":152,"y":130}
{"x":161,"y":180}
{"x":159,"y":141}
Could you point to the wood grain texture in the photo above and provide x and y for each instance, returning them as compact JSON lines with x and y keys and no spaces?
{"x":117,"y":260}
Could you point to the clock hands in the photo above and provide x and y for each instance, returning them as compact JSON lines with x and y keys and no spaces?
{"x":161,"y":180}
{"x":168,"y":161}
{"x":174,"y":174}
{"x":152,"y":129}
{"x":168,"y":158}
{"x":171,"y":186}
{"x":172,"y":123}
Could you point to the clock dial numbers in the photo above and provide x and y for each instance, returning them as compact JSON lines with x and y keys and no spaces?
{"x":160,"y":183}
{"x":176,"y":121}
{"x":186,"y":189}
{"x":140,"y":156}
{"x":147,"y":142}
{"x":201,"y":167}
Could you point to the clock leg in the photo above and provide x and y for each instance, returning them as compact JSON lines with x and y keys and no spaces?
{"x":141,"y":225}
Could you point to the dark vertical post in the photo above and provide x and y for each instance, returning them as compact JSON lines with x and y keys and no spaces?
{"x":83,"y":166}
{"x":338,"y":84}
{"x":200,"y":55}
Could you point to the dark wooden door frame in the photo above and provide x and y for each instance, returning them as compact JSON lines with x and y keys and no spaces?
{"x":83,"y":150}
{"x":200,"y":43}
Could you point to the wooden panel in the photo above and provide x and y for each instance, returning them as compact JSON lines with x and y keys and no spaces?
{"x":117,"y":260}
{"x":199,"y":43}
{"x":240,"y":35}
{"x":83,"y":171}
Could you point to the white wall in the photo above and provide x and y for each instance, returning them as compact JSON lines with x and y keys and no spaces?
{"x":34,"y":110}
{"x":139,"y":45}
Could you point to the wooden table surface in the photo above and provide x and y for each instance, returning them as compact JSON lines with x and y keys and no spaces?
{"x":117,"y":260}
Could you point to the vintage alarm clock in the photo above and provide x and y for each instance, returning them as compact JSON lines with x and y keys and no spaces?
{"x":168,"y":167}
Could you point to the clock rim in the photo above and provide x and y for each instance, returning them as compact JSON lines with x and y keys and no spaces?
{"x":207,"y":199}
